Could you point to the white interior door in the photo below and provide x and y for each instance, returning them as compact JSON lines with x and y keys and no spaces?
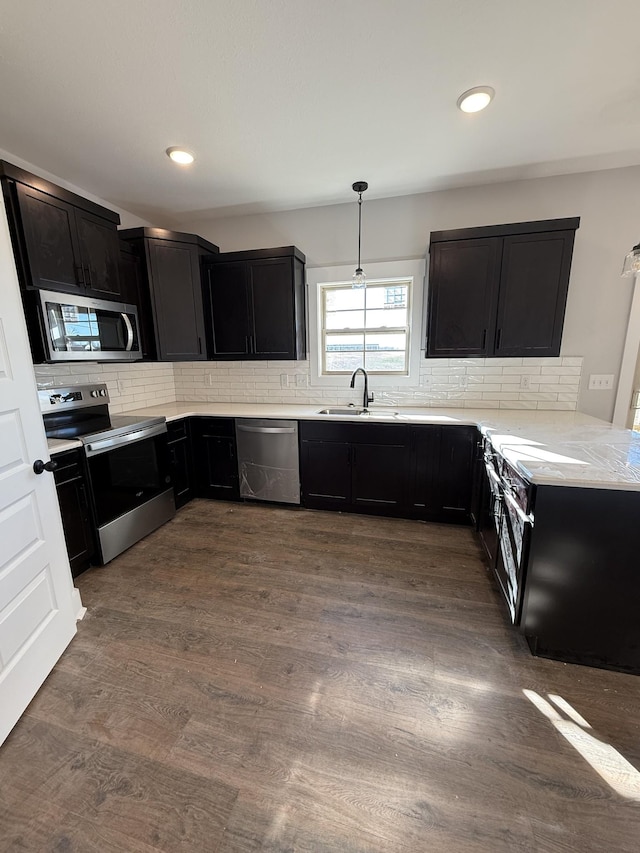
{"x":37,"y":601}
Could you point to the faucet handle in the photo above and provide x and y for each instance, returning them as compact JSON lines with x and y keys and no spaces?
{"x":370,"y":398}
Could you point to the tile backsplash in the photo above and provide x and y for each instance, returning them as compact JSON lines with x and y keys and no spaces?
{"x":131,"y":386}
{"x":492,"y":383}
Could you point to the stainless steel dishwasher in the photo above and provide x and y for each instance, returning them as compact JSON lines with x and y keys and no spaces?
{"x":268,"y":460}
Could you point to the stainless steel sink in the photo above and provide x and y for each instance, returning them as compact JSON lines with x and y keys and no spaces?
{"x":350,"y":411}
{"x":344,"y":410}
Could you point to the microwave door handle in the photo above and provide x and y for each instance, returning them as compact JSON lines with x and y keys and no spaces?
{"x":127,"y":322}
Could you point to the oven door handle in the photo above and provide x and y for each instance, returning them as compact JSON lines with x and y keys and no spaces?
{"x":522,"y":515}
{"x":97,"y":447}
{"x":127,"y":322}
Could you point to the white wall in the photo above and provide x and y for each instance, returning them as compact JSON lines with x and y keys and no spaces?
{"x":599,"y":300}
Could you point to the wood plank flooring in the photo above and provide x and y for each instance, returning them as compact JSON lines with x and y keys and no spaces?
{"x":253,"y":678}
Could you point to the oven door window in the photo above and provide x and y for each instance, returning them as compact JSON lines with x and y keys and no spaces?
{"x":126,"y":477}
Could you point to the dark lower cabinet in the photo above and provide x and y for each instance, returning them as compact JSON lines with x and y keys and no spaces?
{"x":353,"y":467}
{"x":74,"y":509}
{"x":441,"y":472}
{"x":180,"y":460}
{"x":215,"y":459}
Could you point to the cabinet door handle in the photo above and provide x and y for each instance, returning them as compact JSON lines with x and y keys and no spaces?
{"x":79,"y":274}
{"x":484,"y":338}
{"x":498,"y":338}
{"x":87,"y":276}
{"x":252,"y":345}
{"x":199,"y":345}
{"x":247,"y":343}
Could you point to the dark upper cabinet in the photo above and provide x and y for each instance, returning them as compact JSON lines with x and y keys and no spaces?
{"x":172,"y":290}
{"x":62,"y":242}
{"x":254,"y":304}
{"x":499,"y":290}
{"x":463,"y":286}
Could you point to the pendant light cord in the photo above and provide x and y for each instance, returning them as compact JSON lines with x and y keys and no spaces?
{"x":359,"y":226}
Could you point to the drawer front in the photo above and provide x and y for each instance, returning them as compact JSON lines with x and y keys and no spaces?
{"x":214,"y":426}
{"x":69,"y":466}
{"x":177,"y":429}
{"x":392,"y":434}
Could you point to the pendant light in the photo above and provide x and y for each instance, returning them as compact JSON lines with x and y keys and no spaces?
{"x":632,"y":262}
{"x":359,"y":278}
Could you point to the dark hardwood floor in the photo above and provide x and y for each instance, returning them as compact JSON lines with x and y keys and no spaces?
{"x":252,"y":678}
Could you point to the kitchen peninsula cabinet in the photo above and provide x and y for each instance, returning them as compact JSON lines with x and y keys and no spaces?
{"x":215,"y":458}
{"x":172,"y":290}
{"x":61,"y":241}
{"x":74,"y":509}
{"x":499,"y":290}
{"x":254,"y":303}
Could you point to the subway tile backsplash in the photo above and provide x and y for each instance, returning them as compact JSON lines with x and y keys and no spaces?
{"x":131,"y":386}
{"x":478,"y":383}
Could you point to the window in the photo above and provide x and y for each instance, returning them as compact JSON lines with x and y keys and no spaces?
{"x":365,"y":327}
{"x":377,"y":327}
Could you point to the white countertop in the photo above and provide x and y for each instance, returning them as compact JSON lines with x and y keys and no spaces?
{"x":548,"y":447}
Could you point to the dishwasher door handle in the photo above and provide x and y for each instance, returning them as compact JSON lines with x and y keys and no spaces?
{"x":269,"y":430}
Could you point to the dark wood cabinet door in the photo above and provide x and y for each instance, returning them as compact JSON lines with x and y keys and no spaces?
{"x":74,"y":510}
{"x":272,"y":308}
{"x":424,"y":500}
{"x":325,"y":473}
{"x":534,"y":280}
{"x":215,"y":459}
{"x":180,"y":461}
{"x":378,"y":477}
{"x":135,"y":292}
{"x":463,"y":278}
{"x":455,"y":481}
{"x":51,"y":241}
{"x":177,"y":299}
{"x":99,"y":255}
{"x":228,"y":310}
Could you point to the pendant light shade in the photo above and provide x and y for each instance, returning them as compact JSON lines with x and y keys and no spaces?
{"x":632,"y":262}
{"x":359,"y":278}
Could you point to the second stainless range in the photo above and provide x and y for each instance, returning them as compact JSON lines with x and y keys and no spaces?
{"x":127,"y":463}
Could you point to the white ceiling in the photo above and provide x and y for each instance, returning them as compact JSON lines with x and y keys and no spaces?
{"x":287,"y":102}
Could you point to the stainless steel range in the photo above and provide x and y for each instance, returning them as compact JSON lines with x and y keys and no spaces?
{"x":127,"y":463}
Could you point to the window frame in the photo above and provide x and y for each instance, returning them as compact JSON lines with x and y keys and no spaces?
{"x":387,"y":271}
{"x":386,"y":284}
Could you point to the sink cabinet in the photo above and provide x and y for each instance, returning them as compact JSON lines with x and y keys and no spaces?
{"x":499,"y":290}
{"x":354,"y":467}
{"x":61,"y":241}
{"x":254,"y":305}
{"x":388,"y":469}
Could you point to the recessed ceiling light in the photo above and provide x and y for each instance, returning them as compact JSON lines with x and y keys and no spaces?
{"x":180,"y":155}
{"x":474,"y":100}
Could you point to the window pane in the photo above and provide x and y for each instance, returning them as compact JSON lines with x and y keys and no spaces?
{"x":381,"y":297}
{"x":343,"y":361}
{"x":345,"y":320}
{"x":344,"y":343}
{"x":344,"y":298}
{"x":389,"y":317}
{"x":385,"y":362}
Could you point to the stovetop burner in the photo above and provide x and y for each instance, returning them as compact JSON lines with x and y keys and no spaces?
{"x":82,"y":411}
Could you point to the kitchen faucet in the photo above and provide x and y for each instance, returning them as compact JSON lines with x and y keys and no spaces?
{"x":367,"y":398}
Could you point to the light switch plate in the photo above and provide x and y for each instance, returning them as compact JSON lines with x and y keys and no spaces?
{"x":601,"y":381}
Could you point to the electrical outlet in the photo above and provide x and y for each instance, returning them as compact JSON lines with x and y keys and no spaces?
{"x":601,"y":381}
{"x":301,"y":380}
{"x":209,"y":378}
{"x":525,"y":383}
{"x":425,"y":379}
{"x":462,"y":381}
{"x":284,"y":380}
{"x":120,"y":386}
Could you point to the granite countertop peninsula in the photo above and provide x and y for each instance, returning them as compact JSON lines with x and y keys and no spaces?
{"x":547,"y":447}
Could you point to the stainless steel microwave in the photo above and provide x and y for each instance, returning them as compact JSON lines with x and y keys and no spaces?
{"x":77,"y":328}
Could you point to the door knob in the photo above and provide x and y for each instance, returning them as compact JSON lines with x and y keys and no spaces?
{"x":39,"y":466}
